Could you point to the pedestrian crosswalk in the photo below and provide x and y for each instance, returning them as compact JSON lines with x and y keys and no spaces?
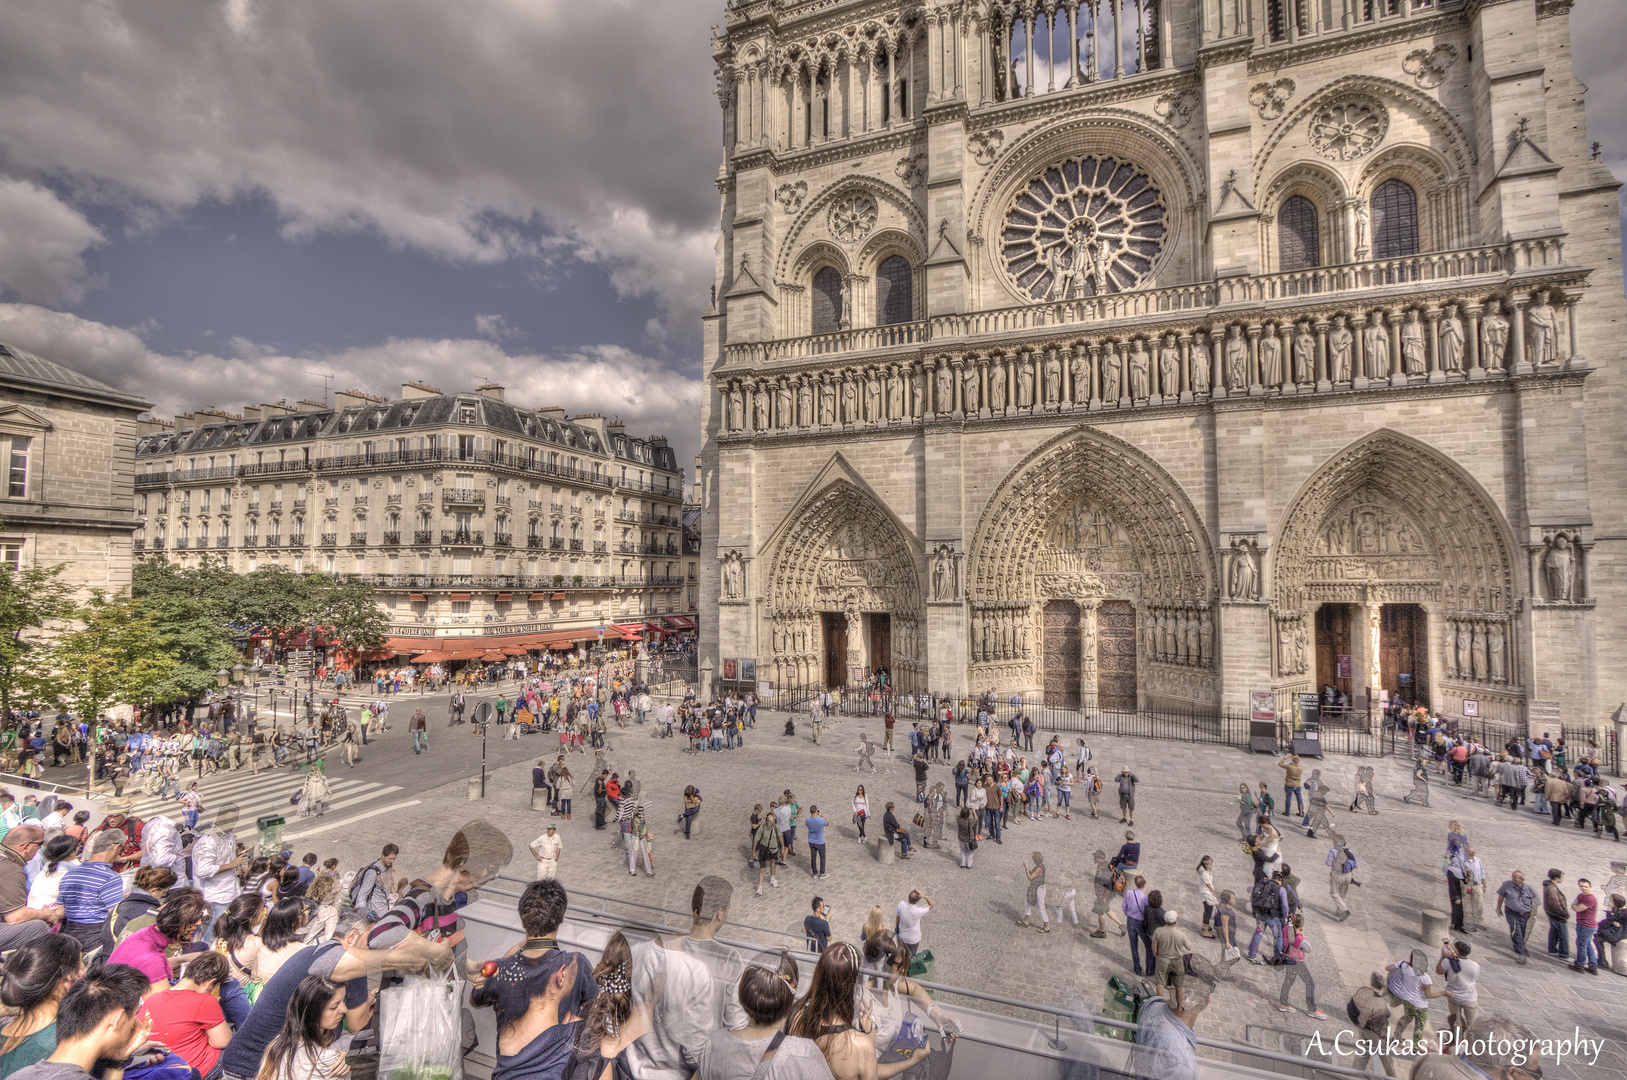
{"x":257,"y":795}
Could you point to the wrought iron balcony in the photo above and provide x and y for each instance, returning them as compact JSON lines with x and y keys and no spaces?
{"x":462,"y":537}
{"x":423,"y":536}
{"x":329,"y":540}
{"x":391,"y":539}
{"x":358,"y":539}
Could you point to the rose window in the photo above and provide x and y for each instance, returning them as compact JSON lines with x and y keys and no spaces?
{"x":1083,"y":227}
{"x":853,"y":217}
{"x":1346,"y":130}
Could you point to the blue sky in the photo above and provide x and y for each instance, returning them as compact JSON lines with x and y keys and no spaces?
{"x":203,"y":200}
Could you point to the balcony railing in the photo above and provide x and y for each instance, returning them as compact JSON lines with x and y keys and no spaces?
{"x":392,"y":539}
{"x":423,"y":536}
{"x":576,"y":545}
{"x":360,"y":500}
{"x":503,"y":500}
{"x":539,"y":582}
{"x":393,"y":500}
{"x":463,"y":496}
{"x":503,"y":539}
{"x":556,"y":508}
{"x":253,"y":541}
{"x":601,"y":546}
{"x":462,"y":537}
{"x":329,"y":540}
{"x":139,"y":545}
{"x":556,"y":543}
{"x":181,"y":544}
{"x":158,"y":545}
{"x":294,"y":540}
{"x":330,"y":504}
{"x":299,"y":506}
{"x":535,"y":541}
{"x":358,"y":539}
{"x":223,"y":541}
{"x":843,"y":341}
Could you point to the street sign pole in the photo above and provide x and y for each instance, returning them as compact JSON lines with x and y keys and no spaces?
{"x":482,"y":715}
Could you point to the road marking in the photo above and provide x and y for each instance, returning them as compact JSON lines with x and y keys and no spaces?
{"x":350,"y":820}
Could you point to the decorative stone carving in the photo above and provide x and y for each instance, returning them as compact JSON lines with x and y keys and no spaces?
{"x":1559,"y":567}
{"x":912,"y":170}
{"x":1271,"y":98}
{"x":1243,"y":575}
{"x":1493,"y":336}
{"x":945,"y":575}
{"x":1178,"y":106}
{"x":1304,"y":355}
{"x":1271,"y":358}
{"x":1350,"y":128}
{"x":1085,"y":226}
{"x":1542,"y":328}
{"x":1412,"y":344}
{"x":1451,"y":340}
{"x":734,"y":576}
{"x":853,"y":216}
{"x":1201,"y":364}
{"x":1340,"y":348}
{"x":1291,"y":644}
{"x":790,"y":196}
{"x":1428,"y":66}
{"x":985,"y":146}
{"x":1236,"y":359}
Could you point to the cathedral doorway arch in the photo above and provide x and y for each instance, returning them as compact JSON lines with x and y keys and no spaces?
{"x":844,"y":595}
{"x":1088,"y":520}
{"x":1395,"y":566}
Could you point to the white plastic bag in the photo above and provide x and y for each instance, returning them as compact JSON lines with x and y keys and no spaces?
{"x":421,"y":1030}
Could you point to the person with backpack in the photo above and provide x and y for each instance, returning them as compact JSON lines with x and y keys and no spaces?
{"x":1293,"y":958}
{"x":1269,"y":902}
{"x":370,"y":891}
{"x":1245,"y":811}
{"x":1341,"y":864}
{"x":1092,"y":784}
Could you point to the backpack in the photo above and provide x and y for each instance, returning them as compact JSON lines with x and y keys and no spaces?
{"x":1349,"y":865}
{"x":1613,"y":929}
{"x":1293,"y":900}
{"x":354,"y":895}
{"x":1095,"y":783}
{"x":1264,"y":900}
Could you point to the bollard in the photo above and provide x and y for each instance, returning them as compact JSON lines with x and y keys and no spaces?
{"x":1436,"y":926}
{"x":474,"y":788}
{"x":539,"y":799}
{"x":695,"y":825}
{"x":885,"y":854}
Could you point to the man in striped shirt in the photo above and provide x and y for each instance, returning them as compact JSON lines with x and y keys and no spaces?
{"x":92,"y":889}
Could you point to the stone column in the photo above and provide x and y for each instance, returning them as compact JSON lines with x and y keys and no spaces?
{"x":1009,"y":398}
{"x":1028,"y":55}
{"x":983,"y":385}
{"x":1364,"y":671}
{"x":1432,"y":345}
{"x":1185,"y":342}
{"x":1472,"y":344}
{"x":1118,"y":40}
{"x":1255,"y":388}
{"x":1095,"y":402}
{"x":1073,"y":45}
{"x":1072,"y":352}
{"x":1095,"y":69}
{"x":1358,"y":353}
{"x":1517,"y":363}
{"x":1323,"y":382}
{"x":1398,"y":370}
{"x":1087,"y":652}
{"x":1569,"y":341}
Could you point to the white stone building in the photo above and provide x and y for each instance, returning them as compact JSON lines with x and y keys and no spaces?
{"x":482,"y":524}
{"x":1278,"y":341}
{"x":69,"y":445}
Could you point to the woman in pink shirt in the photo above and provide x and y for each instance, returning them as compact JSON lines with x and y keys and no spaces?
{"x":179,"y":917}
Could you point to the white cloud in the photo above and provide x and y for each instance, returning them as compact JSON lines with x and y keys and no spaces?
{"x":607,"y":379}
{"x":496,"y":328}
{"x":42,"y":243}
{"x":456,"y":129}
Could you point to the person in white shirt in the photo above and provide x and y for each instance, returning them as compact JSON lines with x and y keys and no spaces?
{"x":910,"y":914}
{"x":215,"y":862}
{"x":161,"y":845}
{"x":681,"y":987}
{"x":59,"y":855}
{"x":546,"y":849}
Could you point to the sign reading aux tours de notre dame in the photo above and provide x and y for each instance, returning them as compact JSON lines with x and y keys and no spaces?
{"x":1197,"y":349}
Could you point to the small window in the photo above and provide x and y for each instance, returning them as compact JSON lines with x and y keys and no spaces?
{"x":1297,"y":235}
{"x":17,"y":467}
{"x":1395,"y":220}
{"x":12,"y":555}
{"x":827,"y":301}
{"x":466,"y":414}
{"x":894,"y":292}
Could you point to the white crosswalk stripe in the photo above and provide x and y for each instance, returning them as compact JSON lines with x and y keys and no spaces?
{"x":265,"y":793}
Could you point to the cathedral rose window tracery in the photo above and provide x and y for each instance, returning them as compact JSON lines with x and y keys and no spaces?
{"x":1083,"y":227}
{"x":1349,"y":129}
{"x":852,"y":218}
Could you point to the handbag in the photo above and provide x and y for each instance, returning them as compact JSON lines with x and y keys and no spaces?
{"x":1230,"y":953}
{"x":971,"y":845}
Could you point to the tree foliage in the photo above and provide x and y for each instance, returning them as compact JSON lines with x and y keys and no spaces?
{"x":31,"y":600}
{"x":114,"y":654}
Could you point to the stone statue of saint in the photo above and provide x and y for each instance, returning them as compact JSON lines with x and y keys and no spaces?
{"x":1206,"y":639}
{"x":782,"y":405}
{"x":1340,"y":342}
{"x":1542,"y":325}
{"x":733,"y":577}
{"x":1412,"y":344}
{"x":942,"y":587}
{"x":1053,"y":379}
{"x":1169,"y":367}
{"x":1375,"y":342}
{"x":1111,"y":365}
{"x":1304,"y":355}
{"x":946,"y":389}
{"x":1449,"y":651}
{"x":1465,"y":650}
{"x":737,"y":418}
{"x":805,"y":413}
{"x":1025,"y":383}
{"x":918,"y":385}
{"x":1236,"y":360}
{"x":969,"y":392}
{"x":850,"y":401}
{"x":1559,"y":564}
{"x":760,"y":410}
{"x":1493,"y":336}
{"x":1244,"y":580}
{"x":827,"y":400}
{"x":1494,"y":645}
{"x":872,"y":397}
{"x":895,"y":394}
{"x":1140,"y":372}
{"x":1201,"y":361}
{"x":997,"y":386}
{"x":1270,"y":357}
{"x":1451,"y":340}
{"x":1079,"y":369}
{"x":1477,"y":652}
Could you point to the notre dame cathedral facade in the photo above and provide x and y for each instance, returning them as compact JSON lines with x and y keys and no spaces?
{"x":1140,"y":353}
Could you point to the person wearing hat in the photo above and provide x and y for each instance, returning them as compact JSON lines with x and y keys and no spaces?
{"x":1127,"y":796}
{"x":1169,"y":947}
{"x":545,"y":849}
{"x":117,"y":819}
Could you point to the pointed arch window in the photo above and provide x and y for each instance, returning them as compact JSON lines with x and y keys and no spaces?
{"x":895,"y":291}
{"x":1298,"y":238}
{"x":1395,"y":220}
{"x":827,"y":301}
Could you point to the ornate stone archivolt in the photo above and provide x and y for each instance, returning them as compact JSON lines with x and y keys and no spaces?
{"x":1349,"y":127}
{"x":886,"y":198}
{"x":1135,"y":535}
{"x":1390,"y":519}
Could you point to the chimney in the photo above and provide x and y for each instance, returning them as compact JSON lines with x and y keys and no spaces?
{"x":552,"y":411}
{"x":490,"y":390}
{"x":413,"y":390}
{"x":350,"y":399}
{"x":307,"y":405}
{"x":271,"y":412}
{"x":615,"y":427}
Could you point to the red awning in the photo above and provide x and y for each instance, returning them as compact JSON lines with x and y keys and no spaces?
{"x":492,"y":654}
{"x":680,"y":622}
{"x":514,"y":650}
{"x":631,"y":637}
{"x":564,"y":646}
{"x":431,"y":657}
{"x":503,"y":597}
{"x":417,"y":598}
{"x":539,"y":596}
{"x":630,"y":628}
{"x":404,"y":646}
{"x":461,"y":597}
{"x":463,"y":654}
{"x":557,"y":596}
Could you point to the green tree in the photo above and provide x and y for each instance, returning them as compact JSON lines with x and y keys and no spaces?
{"x":192,"y":612}
{"x":350,"y":611}
{"x":31,"y":599}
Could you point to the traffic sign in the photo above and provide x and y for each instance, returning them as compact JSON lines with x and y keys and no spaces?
{"x":482,"y":712}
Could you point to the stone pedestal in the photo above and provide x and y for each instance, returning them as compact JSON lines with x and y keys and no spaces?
{"x":1434,"y":926}
{"x":886,"y":854}
{"x":539,"y":799}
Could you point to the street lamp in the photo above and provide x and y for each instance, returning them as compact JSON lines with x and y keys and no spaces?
{"x":222,"y":677}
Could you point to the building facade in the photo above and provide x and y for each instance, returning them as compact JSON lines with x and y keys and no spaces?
{"x":482,"y":524}
{"x":1150,"y":354}
{"x":69,"y":444}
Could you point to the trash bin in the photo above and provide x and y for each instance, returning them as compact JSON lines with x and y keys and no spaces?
{"x":474,"y":788}
{"x":269,"y":828}
{"x":1121,"y":1002}
{"x":539,"y":799}
{"x":923,"y":967}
